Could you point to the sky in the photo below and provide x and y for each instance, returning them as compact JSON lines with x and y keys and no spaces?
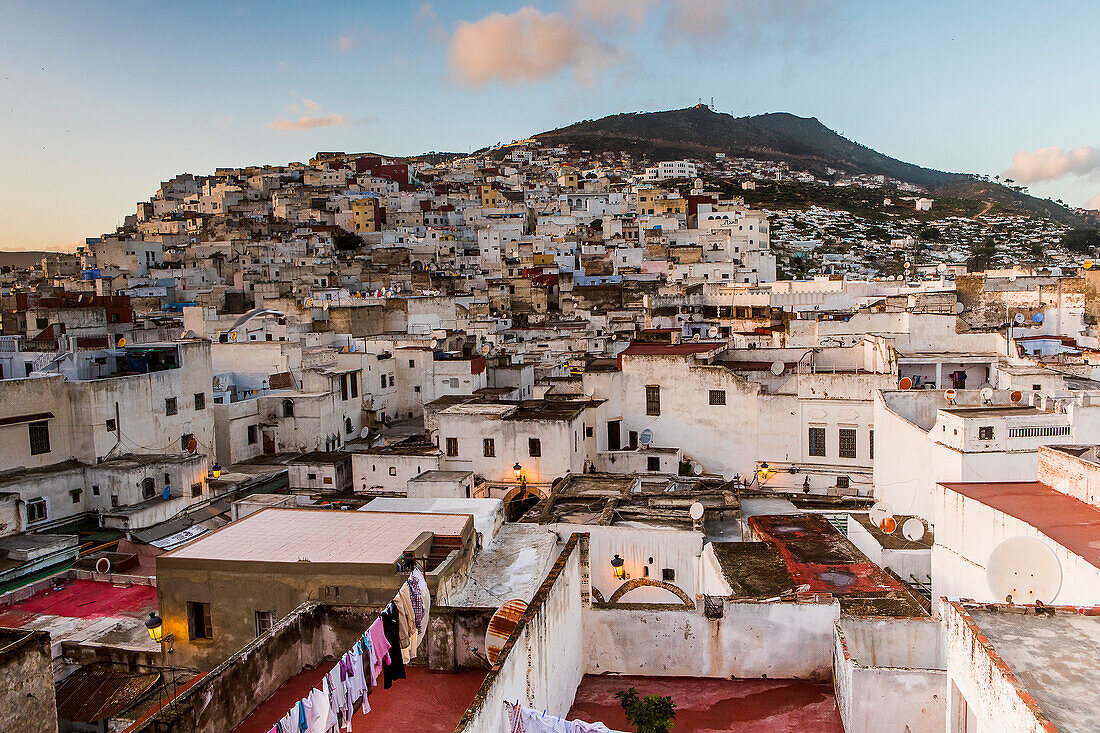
{"x":100,"y":101}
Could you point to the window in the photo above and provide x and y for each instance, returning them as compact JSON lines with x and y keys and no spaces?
{"x":817,"y":441}
{"x":288,"y":408}
{"x":393,"y":470}
{"x":412,"y":363}
{"x":348,"y":427}
{"x":653,"y":400}
{"x":353,"y":381}
{"x":264,"y":621}
{"x":148,"y":488}
{"x":668,"y":575}
{"x":843,"y":482}
{"x":40,"y":437}
{"x":871,"y":444}
{"x":200,"y":400}
{"x":489,"y":447}
{"x":416,"y":388}
{"x":252,"y":435}
{"x":114,"y":501}
{"x":95,"y":489}
{"x":110,"y":425}
{"x":653,"y":463}
{"x":74,"y":494}
{"x":452,"y":447}
{"x":985,"y":432}
{"x":534,"y":447}
{"x":847,"y":443}
{"x":718,"y":397}
{"x":344,"y":386}
{"x":1038,"y":432}
{"x":170,"y":406}
{"x":36,"y":510}
{"x":185,"y":442}
{"x":327,"y":480}
{"x":198,"y":621}
{"x":196,"y":490}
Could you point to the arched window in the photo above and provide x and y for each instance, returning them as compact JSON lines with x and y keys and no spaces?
{"x":347,"y":425}
{"x":288,"y":408}
{"x":148,"y":488}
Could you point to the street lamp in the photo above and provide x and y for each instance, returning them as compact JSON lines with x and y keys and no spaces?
{"x":155,"y":626}
{"x":216,"y":470}
{"x":617,"y":567}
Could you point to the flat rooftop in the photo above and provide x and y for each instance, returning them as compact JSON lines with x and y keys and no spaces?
{"x":1053,"y":656}
{"x":994,"y":411}
{"x":315,"y":535}
{"x":1070,"y":522}
{"x":713,"y":705}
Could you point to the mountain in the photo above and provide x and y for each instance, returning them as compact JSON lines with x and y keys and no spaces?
{"x":803,"y":142}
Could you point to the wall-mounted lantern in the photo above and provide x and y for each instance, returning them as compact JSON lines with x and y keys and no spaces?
{"x":617,"y":567}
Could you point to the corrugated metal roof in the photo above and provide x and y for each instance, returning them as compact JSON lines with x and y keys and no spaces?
{"x":92,"y":694}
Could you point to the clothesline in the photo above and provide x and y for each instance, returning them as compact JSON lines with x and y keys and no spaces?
{"x":390,"y":642}
{"x":521,"y":719}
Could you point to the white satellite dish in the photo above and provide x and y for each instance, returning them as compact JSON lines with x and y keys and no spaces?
{"x":696,"y":511}
{"x":712,"y":332}
{"x":364,"y":432}
{"x":695,"y":337}
{"x":941,"y":268}
{"x":912,"y":529}
{"x":646,"y":437}
{"x":697,"y":469}
{"x":959,"y":307}
{"x":433,"y":343}
{"x":880,"y":511}
{"x":1019,"y":319}
{"x":189,"y":334}
{"x":485,"y":349}
{"x":986,"y":394}
{"x":1024,"y":569}
{"x":950,"y":395}
{"x":778,"y":367}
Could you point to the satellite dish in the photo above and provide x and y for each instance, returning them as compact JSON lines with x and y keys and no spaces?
{"x":324,"y":305}
{"x":103,"y":565}
{"x":1037,"y":318}
{"x":941,"y":268}
{"x":695,"y":337}
{"x":309,"y":302}
{"x":189,"y":334}
{"x":192,"y":445}
{"x":1016,"y":395}
{"x":501,"y":626}
{"x":888,"y":525}
{"x":434,"y":343}
{"x":696,"y":511}
{"x":1018,"y":318}
{"x":912,"y":529}
{"x":1087,"y":264}
{"x":122,"y":342}
{"x":486,"y":349}
{"x":778,"y":367}
{"x":1023,"y":570}
{"x":697,"y":469}
{"x":986,"y":394}
{"x":880,"y":511}
{"x":646,"y":437}
{"x":233,"y":336}
{"x":712,"y":332}
{"x":905,"y":383}
{"x":950,"y":395}
{"x":364,"y":433}
{"x":959,"y":307}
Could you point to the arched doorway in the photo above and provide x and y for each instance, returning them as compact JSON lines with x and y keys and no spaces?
{"x":519,"y":501}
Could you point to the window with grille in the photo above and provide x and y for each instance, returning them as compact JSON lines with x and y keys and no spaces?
{"x":653,"y":400}
{"x":846,"y":443}
{"x":718,"y":397}
{"x":198,"y":621}
{"x":534,"y":447}
{"x":489,"y":446}
{"x":39,"y":437}
{"x":170,"y":407}
{"x":452,"y":447}
{"x":1044,"y":431}
{"x":871,"y":444}
{"x":817,"y":441}
{"x":200,"y":400}
{"x":653,"y":463}
{"x":264,"y":621}
{"x":36,"y":510}
{"x":985,"y":432}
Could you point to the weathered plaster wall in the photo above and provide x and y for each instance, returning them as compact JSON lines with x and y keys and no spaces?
{"x":27,"y":699}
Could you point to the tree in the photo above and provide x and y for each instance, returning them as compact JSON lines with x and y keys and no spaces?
{"x":932,"y":234}
{"x":982,"y":253}
{"x":345,"y":241}
{"x":1081,"y":241}
{"x":649,"y":714}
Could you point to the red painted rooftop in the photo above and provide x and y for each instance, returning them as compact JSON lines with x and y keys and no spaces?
{"x":712,"y":705}
{"x":424,"y":702}
{"x":1070,"y":522}
{"x":645,"y":348}
{"x":818,"y":555}
{"x":84,"y":599}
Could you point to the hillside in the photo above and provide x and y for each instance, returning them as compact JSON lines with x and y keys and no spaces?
{"x":803,"y":142}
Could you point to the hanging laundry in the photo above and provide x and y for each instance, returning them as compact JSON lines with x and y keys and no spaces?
{"x":394,"y":669}
{"x":522,"y":719}
{"x":381,"y":647}
{"x":421,"y":599}
{"x":408,"y":624}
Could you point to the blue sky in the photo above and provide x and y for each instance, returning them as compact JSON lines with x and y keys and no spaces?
{"x":101,"y":101}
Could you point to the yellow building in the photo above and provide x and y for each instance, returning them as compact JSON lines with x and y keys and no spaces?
{"x":490,"y":197}
{"x":366,"y":215}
